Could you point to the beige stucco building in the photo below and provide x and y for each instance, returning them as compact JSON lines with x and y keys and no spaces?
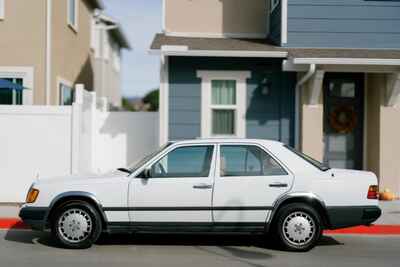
{"x":48,"y":46}
{"x":318,"y":77}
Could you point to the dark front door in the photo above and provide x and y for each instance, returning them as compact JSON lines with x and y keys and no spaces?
{"x":343,"y":120}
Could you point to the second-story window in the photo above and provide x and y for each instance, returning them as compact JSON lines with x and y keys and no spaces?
{"x":1,"y":9}
{"x":73,"y":14}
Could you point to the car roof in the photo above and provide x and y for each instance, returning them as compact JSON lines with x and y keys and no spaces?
{"x":227,"y":140}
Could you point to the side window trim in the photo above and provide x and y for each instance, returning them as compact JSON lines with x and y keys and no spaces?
{"x":264,"y":149}
{"x":157,"y":158}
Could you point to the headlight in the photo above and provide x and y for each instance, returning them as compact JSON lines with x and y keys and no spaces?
{"x":32,"y":195}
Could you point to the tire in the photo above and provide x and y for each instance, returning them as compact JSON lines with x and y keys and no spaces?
{"x":76,"y":225}
{"x":298,"y":227}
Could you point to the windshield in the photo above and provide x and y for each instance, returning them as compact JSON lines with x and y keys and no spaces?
{"x":309,"y":159}
{"x":136,"y":165}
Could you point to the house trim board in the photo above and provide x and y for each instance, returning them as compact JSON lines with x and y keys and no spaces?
{"x":184,"y":51}
{"x":164,"y":97}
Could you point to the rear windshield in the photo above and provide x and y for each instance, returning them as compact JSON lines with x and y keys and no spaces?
{"x":309,"y":159}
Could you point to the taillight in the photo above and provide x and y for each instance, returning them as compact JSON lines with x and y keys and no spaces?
{"x":373,"y":192}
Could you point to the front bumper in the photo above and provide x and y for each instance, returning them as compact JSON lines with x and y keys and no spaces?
{"x":35,"y":217}
{"x":341,"y":217}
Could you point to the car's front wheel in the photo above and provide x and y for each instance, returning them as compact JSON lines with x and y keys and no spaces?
{"x":76,"y":225}
{"x":298,"y":227}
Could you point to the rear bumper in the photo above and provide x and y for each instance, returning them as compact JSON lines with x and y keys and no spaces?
{"x":341,"y":217}
{"x":35,"y":217}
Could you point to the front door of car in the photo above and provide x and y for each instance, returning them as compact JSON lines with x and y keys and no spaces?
{"x":178,"y":187}
{"x":248,"y":181}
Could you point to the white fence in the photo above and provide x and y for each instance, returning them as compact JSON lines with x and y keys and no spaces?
{"x":49,"y":141}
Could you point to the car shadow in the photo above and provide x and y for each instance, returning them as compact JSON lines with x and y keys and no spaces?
{"x":234,"y":244}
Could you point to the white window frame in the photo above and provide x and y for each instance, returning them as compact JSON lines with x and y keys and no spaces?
{"x":2,"y":7}
{"x":27,"y":76}
{"x":274,"y":4}
{"x":62,"y":81}
{"x":207,"y":76}
{"x":73,"y":24}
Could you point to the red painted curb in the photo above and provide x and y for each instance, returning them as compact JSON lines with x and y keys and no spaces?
{"x":368,"y":230}
{"x":11,"y":223}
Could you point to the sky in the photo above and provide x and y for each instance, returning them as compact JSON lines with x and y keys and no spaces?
{"x":141,"y":20}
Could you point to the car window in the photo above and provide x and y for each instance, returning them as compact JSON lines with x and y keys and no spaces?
{"x":191,"y":161}
{"x":242,"y":160}
{"x":314,"y":162}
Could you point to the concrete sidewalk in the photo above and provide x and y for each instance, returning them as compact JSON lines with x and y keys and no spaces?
{"x":390,"y":213}
{"x":390,"y":209}
{"x":9,"y":210}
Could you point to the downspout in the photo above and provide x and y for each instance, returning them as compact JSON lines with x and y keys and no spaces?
{"x":48,"y":50}
{"x":311,"y":71}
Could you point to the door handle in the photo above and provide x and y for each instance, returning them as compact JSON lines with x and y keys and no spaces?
{"x":278,"y":185}
{"x":202,"y":186}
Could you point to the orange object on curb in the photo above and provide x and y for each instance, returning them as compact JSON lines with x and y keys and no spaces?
{"x":386,"y":195}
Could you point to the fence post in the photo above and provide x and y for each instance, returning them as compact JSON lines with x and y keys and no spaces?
{"x":76,"y":118}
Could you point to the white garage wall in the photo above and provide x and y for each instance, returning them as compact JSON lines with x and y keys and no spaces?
{"x":34,"y":140}
{"x":51,"y":141}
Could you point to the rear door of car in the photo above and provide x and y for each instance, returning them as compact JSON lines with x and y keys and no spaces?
{"x":248,"y":179}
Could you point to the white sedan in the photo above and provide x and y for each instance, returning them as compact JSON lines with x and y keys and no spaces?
{"x":214,"y":185}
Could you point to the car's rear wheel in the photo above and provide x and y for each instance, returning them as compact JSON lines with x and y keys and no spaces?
{"x":76,"y":225}
{"x":298,"y":227}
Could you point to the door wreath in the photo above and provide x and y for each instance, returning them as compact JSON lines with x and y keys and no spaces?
{"x":343,"y":119}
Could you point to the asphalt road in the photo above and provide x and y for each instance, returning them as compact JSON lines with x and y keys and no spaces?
{"x":26,"y":248}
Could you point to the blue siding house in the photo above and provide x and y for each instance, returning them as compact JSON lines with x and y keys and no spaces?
{"x":343,"y":23}
{"x":322,"y":76}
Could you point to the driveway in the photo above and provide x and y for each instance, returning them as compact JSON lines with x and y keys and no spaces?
{"x":27,"y":248}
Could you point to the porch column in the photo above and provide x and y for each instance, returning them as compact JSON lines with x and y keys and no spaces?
{"x":312,"y":117}
{"x":390,"y":133}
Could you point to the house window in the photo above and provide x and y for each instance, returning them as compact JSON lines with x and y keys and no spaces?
{"x":1,"y":9}
{"x":223,"y":103}
{"x":224,"y":108}
{"x":66,"y":94}
{"x":274,"y":4}
{"x":73,"y":14}
{"x":11,"y":97}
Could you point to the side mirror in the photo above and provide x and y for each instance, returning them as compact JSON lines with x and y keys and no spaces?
{"x":146,"y":174}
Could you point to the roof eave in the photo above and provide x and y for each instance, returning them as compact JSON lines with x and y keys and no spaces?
{"x":184,"y":51}
{"x":122,"y":38}
{"x":97,"y":4}
{"x":347,"y":61}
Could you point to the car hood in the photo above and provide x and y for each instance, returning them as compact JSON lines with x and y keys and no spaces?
{"x":81,"y":178}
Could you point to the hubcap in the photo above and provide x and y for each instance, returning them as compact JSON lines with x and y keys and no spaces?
{"x":298,"y":228}
{"x":75,"y":225}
